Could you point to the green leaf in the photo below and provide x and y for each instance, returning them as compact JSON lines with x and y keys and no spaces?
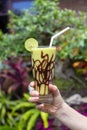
{"x":1,"y":106}
{"x":26,"y":116}
{"x":32,"y":121}
{"x":44,"y":117}
{"x":10,"y":119}
{"x":26,"y":96}
{"x":6,"y":128}
{"x":2,"y":113}
{"x":23,"y":105}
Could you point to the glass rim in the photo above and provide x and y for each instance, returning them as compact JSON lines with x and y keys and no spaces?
{"x":44,"y":47}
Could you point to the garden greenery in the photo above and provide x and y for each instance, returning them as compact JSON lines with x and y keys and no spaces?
{"x":19,"y":114}
{"x":16,"y":112}
{"x":42,"y":21}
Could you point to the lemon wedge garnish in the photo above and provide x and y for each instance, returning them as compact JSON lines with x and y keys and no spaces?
{"x":30,"y":44}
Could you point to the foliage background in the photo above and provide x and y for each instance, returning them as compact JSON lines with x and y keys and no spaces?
{"x":42,"y":21}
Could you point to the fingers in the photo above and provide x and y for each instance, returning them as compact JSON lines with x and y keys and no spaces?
{"x":47,"y":108}
{"x":52,"y":88}
{"x":34,"y":99}
{"x":33,"y":93}
{"x":34,"y":96}
{"x":32,"y":84}
{"x":31,"y":89}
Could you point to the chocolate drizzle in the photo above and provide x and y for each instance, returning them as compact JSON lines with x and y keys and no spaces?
{"x":43,"y":70}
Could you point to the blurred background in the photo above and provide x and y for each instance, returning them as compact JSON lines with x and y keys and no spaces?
{"x":23,"y":19}
{"x":18,"y":5}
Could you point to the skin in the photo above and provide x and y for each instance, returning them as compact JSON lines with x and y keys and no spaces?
{"x":59,"y":109}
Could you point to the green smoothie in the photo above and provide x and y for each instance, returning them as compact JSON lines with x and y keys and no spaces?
{"x":43,"y":64}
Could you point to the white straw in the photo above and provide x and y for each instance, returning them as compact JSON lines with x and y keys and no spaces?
{"x":56,"y":35}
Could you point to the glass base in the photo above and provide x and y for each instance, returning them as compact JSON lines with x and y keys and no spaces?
{"x":45,"y":99}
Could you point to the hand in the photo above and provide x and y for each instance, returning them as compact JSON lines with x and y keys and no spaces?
{"x":57,"y":100}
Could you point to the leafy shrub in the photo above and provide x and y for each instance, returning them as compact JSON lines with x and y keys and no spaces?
{"x":15,"y":78}
{"x":19,"y":114}
{"x":41,"y":22}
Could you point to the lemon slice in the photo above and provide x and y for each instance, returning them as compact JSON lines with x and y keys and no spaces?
{"x":30,"y":44}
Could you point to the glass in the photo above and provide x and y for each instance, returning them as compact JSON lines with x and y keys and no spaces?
{"x":43,"y":64}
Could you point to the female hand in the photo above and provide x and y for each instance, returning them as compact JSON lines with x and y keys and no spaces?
{"x":57,"y":100}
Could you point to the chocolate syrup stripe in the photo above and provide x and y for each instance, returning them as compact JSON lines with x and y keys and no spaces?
{"x":43,"y":69}
{"x":44,"y":56}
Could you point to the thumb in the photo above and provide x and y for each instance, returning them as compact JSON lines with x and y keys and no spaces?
{"x":54,"y":90}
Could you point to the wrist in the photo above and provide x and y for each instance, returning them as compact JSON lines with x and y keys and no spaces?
{"x":60,"y":113}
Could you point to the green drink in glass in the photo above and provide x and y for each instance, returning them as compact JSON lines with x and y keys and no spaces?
{"x":43,"y":63}
{"x":43,"y":66}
